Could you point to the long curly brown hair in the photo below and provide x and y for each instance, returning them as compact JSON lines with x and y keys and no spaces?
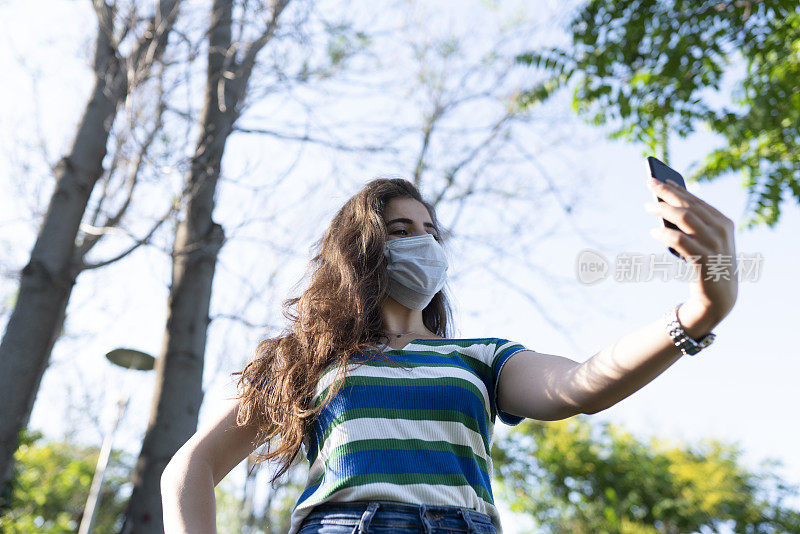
{"x":337,"y":316}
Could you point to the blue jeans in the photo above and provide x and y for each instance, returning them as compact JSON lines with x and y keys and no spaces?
{"x":381,"y":517}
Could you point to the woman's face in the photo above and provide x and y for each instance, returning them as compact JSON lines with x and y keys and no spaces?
{"x":406,"y":217}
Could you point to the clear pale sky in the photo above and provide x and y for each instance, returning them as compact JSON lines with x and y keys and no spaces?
{"x":742,"y":389}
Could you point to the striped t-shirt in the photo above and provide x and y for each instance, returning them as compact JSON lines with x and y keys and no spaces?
{"x":416,"y":430}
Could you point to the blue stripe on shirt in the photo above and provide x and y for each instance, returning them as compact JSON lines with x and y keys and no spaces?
{"x":382,"y":397}
{"x":421,"y":461}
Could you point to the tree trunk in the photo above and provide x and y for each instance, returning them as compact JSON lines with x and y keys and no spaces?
{"x":179,"y":368}
{"x":176,"y":402}
{"x":47,"y":280}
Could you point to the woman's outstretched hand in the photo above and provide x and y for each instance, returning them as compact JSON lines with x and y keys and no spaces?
{"x":707,"y":245}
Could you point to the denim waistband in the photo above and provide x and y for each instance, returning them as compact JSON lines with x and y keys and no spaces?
{"x":391,"y":516}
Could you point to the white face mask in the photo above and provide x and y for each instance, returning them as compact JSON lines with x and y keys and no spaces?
{"x":417,"y":270}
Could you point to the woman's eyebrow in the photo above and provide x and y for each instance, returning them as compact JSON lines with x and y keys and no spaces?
{"x":409,"y":221}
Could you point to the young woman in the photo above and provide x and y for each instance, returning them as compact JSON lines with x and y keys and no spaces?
{"x":396,"y":418}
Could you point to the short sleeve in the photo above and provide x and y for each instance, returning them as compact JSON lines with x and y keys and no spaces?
{"x":503,"y":350}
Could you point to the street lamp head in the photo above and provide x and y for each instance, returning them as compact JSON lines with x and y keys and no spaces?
{"x":131,"y":359}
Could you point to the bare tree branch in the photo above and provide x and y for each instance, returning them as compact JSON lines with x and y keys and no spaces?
{"x":138,"y":242}
{"x":113,"y":220}
{"x":245,"y":67}
{"x":530,"y":297}
{"x":238,"y":318}
{"x":108,"y":175}
{"x":565,"y":206}
{"x":427,"y":130}
{"x":153,"y":41}
{"x":306,"y":138}
{"x":451,"y":173}
{"x":105,"y":21}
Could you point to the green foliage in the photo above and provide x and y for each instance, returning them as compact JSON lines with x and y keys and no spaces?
{"x":572,"y":477}
{"x":343,"y":43}
{"x":229,"y":516}
{"x":51,"y":484}
{"x":648,"y":68}
{"x":275,"y":517}
{"x":52,"y":481}
{"x":282,"y":505}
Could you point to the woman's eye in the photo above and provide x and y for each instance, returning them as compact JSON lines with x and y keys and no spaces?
{"x":400,"y":231}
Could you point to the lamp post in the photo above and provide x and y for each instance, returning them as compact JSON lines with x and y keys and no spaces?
{"x":129,"y":359}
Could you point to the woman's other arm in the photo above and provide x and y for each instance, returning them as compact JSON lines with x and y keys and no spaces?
{"x":188,"y":480}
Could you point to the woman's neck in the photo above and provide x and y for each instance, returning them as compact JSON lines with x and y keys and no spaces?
{"x":399,"y":321}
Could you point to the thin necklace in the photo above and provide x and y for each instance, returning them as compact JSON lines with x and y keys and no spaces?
{"x":402,"y":334}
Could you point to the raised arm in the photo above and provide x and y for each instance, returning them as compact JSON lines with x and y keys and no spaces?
{"x":188,"y":481}
{"x":550,"y":387}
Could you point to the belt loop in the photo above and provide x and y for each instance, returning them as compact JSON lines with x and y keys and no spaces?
{"x":366,"y":519}
{"x":427,"y":528}
{"x":468,"y":520}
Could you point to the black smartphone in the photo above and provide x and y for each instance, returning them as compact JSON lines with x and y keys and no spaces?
{"x":664,"y":173}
